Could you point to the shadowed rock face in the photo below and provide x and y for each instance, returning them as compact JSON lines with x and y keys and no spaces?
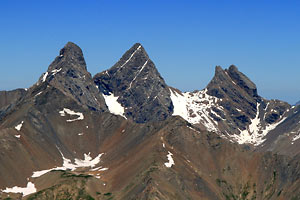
{"x":236,"y":92}
{"x":241,"y":102}
{"x":140,"y":88}
{"x":243,"y":81}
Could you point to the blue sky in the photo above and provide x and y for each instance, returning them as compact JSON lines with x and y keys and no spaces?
{"x":185,"y":39}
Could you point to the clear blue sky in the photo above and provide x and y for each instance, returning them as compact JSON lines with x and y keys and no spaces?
{"x":185,"y":39}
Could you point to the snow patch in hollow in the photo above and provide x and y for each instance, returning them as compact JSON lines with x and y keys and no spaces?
{"x":19,"y":126}
{"x":255,"y":134}
{"x":70,"y":112}
{"x":67,"y":164}
{"x":180,"y":105}
{"x":171,"y":161}
{"x":195,"y":107}
{"x":113,"y":105}
{"x":29,"y":189}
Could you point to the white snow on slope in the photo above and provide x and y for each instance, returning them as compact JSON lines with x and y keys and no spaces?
{"x":70,"y":112}
{"x":19,"y":126}
{"x":44,"y":76}
{"x":99,"y":169}
{"x":38,"y":94}
{"x":171,"y":161}
{"x":55,"y":71}
{"x":296,"y":137}
{"x":180,"y":104}
{"x":67,"y":164}
{"x":113,"y":105}
{"x":255,"y":133}
{"x":196,"y":107}
{"x":29,"y":189}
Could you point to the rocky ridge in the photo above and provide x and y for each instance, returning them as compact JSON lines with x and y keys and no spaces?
{"x":118,"y":136}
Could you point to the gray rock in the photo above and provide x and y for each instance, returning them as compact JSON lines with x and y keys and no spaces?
{"x":10,"y":97}
{"x":140,"y":88}
{"x":240,"y":101}
{"x":69,"y":74}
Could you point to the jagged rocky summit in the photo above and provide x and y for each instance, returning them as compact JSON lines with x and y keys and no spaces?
{"x":126,"y":134}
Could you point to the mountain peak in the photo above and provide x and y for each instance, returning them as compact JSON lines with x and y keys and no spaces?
{"x":69,"y":74}
{"x":71,"y":49}
{"x":70,"y":56}
{"x":140,"y":88}
{"x":136,"y":54}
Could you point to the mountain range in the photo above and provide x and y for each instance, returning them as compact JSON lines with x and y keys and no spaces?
{"x":125,"y":134}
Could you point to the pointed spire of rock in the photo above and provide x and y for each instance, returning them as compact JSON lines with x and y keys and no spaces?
{"x":70,"y":56}
{"x":224,"y":80}
{"x":242,"y":80}
{"x":219,"y":81}
{"x":69,"y":74}
{"x":139,"y":86}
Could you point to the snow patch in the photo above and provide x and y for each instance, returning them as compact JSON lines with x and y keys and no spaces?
{"x":19,"y":126}
{"x":80,"y":134}
{"x":67,"y":164}
{"x":38,"y":94}
{"x":55,"y":71}
{"x":70,"y":112}
{"x":196,"y":108}
{"x":180,"y":104}
{"x":99,"y":169}
{"x":29,"y":189}
{"x":296,"y":137}
{"x":113,"y":105}
{"x":255,"y":133}
{"x":44,"y":76}
{"x":171,"y":161}
{"x":18,"y":136}
{"x":103,"y":169}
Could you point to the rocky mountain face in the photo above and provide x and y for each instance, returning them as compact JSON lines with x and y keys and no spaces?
{"x":125,"y":134}
{"x":231,"y":107}
{"x":10,"y":97}
{"x":68,"y":73}
{"x":138,"y":87}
